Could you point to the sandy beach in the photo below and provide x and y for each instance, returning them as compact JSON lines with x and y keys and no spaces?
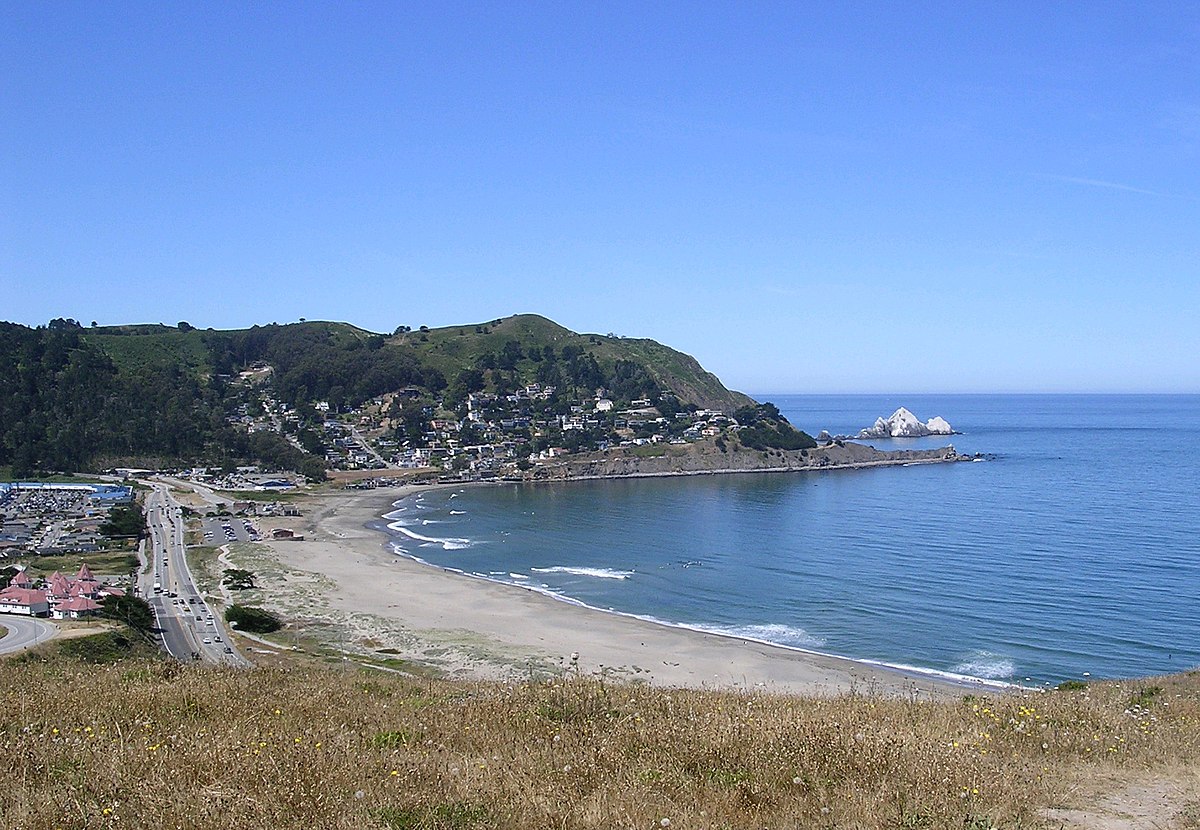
{"x":342,"y":584}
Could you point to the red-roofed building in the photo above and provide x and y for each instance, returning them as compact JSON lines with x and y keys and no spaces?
{"x":62,"y":597}
{"x":75,"y":608}
{"x":57,"y":587}
{"x":29,"y":602}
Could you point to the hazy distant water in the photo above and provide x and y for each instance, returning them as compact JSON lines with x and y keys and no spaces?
{"x":1075,"y":550}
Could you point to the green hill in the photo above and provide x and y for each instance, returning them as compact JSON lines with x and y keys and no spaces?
{"x":152,"y":395}
{"x":455,"y":348}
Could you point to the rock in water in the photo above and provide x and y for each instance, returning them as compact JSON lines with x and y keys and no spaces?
{"x":904,"y":424}
{"x":937,"y":426}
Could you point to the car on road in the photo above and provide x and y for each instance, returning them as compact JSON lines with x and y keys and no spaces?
{"x":228,"y":650}
{"x":207,"y":641}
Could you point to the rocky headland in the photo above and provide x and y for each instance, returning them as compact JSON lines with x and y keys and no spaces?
{"x":711,"y":458}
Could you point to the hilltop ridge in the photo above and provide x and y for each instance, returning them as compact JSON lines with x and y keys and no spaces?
{"x":452,"y":348}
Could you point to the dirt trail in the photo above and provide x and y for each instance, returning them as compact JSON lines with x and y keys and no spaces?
{"x":1163,"y":801}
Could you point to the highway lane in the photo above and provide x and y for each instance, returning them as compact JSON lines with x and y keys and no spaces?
{"x":186,"y":620}
{"x":24,"y":632}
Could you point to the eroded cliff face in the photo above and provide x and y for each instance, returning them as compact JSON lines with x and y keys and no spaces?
{"x":707,"y":458}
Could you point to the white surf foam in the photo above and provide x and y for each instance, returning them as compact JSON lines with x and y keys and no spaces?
{"x":954,"y":677}
{"x":447,"y":544}
{"x":457,"y":512}
{"x":399,"y":551}
{"x":772,"y":633}
{"x":600,"y":573}
{"x":986,"y":665}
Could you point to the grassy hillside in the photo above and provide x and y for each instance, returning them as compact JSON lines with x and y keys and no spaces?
{"x":147,"y":744}
{"x":449,"y":350}
{"x":454,"y":348}
{"x":150,"y":348}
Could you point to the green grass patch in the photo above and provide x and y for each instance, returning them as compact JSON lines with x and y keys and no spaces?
{"x":391,"y":739}
{"x":101,"y":562}
{"x":202,"y":561}
{"x":648,"y":451}
{"x":395,"y":664}
{"x":258,"y":495}
{"x":1144,"y":696}
{"x":153,"y":348}
{"x":6,"y":477}
{"x":106,"y":647}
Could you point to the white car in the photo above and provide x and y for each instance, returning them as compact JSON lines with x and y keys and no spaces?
{"x":207,"y":641}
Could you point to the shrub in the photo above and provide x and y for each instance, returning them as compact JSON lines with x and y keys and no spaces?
{"x":108,"y":647}
{"x":253,"y":620}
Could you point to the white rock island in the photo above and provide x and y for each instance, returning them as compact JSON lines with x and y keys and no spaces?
{"x":904,"y":424}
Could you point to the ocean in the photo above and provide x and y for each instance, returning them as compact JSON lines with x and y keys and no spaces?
{"x":1072,"y":552}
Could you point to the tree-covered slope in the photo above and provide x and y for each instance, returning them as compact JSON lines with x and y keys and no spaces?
{"x":65,"y":404}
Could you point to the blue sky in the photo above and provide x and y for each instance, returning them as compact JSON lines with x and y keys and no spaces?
{"x":878,"y":197}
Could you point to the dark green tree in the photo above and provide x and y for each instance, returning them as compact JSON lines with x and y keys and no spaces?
{"x":133,"y":611}
{"x":253,"y":620}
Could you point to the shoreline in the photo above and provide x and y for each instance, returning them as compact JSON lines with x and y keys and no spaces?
{"x":961,"y":681}
{"x":345,"y":579}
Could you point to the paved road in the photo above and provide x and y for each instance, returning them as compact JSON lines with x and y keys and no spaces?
{"x":185,"y":624}
{"x":370,"y":448}
{"x":24,"y":632}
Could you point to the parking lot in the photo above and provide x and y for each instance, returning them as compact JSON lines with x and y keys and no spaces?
{"x":224,"y":530}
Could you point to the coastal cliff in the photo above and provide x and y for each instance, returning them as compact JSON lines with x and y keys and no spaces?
{"x":708,"y":458}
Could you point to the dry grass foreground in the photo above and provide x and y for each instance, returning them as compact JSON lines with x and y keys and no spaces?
{"x":145,"y":743}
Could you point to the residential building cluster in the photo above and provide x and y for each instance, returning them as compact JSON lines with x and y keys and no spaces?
{"x":44,"y":518}
{"x":486,"y":435}
{"x":505,"y":434}
{"x":58,"y":596}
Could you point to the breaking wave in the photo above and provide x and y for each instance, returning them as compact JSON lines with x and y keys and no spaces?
{"x":447,"y":544}
{"x":600,"y":573}
{"x":771,"y":633}
{"x":986,"y":665}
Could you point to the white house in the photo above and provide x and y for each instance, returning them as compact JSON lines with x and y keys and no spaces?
{"x":28,"y":602}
